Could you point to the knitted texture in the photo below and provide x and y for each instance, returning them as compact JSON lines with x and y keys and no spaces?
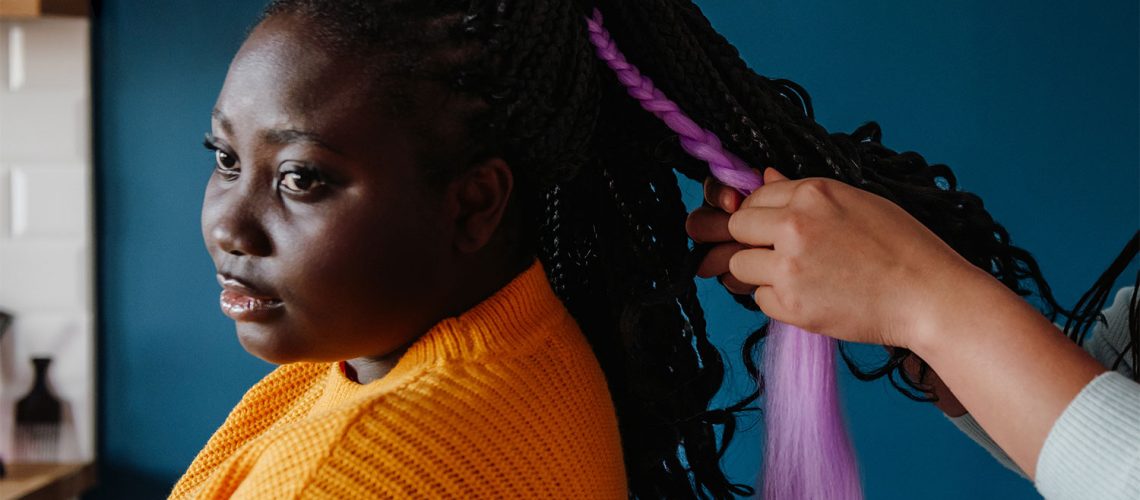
{"x":1093,"y":450}
{"x":506,"y":400}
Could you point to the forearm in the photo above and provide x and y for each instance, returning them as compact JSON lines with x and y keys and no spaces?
{"x":1004,"y":361}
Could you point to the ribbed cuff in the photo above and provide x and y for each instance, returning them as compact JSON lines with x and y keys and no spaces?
{"x":970,"y":427}
{"x":1093,"y":450}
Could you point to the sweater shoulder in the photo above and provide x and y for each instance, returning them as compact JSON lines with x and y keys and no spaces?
{"x":280,"y":396}
{"x":530,"y":419}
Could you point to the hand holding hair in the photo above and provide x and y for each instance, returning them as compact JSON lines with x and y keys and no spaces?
{"x":828,"y":257}
{"x":846,"y":263}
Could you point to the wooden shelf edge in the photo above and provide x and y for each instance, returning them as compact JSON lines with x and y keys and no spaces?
{"x":40,"y":8}
{"x":47,"y":481}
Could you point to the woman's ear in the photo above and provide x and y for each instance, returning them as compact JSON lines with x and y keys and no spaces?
{"x":480,"y":196}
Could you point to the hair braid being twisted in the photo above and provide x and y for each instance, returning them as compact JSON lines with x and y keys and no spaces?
{"x":799,"y":147}
{"x":595,"y":189}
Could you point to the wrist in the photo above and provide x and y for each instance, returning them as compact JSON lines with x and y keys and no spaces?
{"x":942,"y":318}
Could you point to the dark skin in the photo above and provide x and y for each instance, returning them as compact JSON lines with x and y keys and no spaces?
{"x":319,"y":203}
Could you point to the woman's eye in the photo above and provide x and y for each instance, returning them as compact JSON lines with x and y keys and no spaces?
{"x":301,"y":180}
{"x":224,"y":160}
{"x":224,"y":163}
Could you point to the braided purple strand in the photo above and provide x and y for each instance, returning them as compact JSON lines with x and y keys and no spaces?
{"x":696,"y":141}
{"x":807,"y":453}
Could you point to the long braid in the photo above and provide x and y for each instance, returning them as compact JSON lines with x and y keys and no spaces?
{"x":1087,"y":312}
{"x":808,"y":453}
{"x":604,"y":259}
{"x":695,"y":140}
{"x":793,"y":143}
{"x":599,"y":203}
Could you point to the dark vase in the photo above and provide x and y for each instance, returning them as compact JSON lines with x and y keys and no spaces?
{"x":38,"y":417}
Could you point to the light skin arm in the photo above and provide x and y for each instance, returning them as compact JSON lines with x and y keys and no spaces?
{"x":843,"y":262}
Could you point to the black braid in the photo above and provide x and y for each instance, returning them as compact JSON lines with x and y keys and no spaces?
{"x":1087,"y":312}
{"x":595,"y":182}
{"x":780,"y":113}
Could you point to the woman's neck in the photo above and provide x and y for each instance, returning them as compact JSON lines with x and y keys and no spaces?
{"x":478,"y":282}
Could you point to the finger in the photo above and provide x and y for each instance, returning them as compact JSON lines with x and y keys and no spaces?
{"x":756,"y":226}
{"x":774,"y":194}
{"x":708,"y":225}
{"x":721,"y":196}
{"x":716,"y":262}
{"x":766,"y":299}
{"x":754,"y":266}
{"x":735,"y":286}
{"x":772,"y":175}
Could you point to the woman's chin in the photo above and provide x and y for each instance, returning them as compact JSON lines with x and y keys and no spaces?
{"x":269,"y":344}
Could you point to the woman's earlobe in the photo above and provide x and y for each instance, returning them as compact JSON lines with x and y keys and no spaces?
{"x":481,"y":194}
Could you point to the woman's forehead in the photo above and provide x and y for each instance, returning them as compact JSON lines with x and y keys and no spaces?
{"x":281,"y":80}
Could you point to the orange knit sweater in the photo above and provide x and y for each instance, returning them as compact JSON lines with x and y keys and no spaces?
{"x":506,"y":400}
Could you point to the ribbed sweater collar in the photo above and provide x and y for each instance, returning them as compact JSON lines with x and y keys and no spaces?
{"x":502,"y":322}
{"x":509,"y":320}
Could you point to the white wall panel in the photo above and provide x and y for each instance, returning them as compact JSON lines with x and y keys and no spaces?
{"x":49,"y":202}
{"x":45,"y":222}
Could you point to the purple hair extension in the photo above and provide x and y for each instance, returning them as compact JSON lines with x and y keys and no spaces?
{"x":807,"y":452}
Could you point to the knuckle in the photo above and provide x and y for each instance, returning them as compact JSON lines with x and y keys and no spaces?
{"x":791,"y":267}
{"x":793,"y":304}
{"x":815,"y":189}
{"x":796,"y":224}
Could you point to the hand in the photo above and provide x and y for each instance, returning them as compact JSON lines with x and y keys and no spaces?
{"x":828,"y":257}
{"x":709,"y":224}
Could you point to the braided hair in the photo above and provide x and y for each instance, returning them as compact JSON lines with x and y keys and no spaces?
{"x":772,"y":123}
{"x":597,"y":200}
{"x":1087,"y":313}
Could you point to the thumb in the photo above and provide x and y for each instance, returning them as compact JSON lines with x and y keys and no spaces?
{"x":772,"y":175}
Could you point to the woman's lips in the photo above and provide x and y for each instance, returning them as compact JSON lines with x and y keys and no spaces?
{"x":243,"y":303}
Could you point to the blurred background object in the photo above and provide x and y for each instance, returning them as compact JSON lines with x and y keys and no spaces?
{"x":46,"y":255}
{"x":34,"y":8}
{"x":38,"y":418}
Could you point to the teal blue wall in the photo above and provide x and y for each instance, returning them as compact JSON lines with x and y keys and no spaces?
{"x":1034,"y":105}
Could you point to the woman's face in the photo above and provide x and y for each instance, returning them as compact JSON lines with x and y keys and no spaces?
{"x":327,"y":241}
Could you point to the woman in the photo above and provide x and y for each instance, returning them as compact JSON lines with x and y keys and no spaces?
{"x":454,"y":233}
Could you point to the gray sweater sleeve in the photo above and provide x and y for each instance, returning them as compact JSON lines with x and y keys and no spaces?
{"x":1093,"y":451}
{"x":1104,"y":402}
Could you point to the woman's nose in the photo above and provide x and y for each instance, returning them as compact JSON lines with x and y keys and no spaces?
{"x":232,"y":224}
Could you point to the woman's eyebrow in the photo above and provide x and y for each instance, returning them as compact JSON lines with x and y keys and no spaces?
{"x":222,"y":120}
{"x":290,"y":136}
{"x":278,"y":136}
